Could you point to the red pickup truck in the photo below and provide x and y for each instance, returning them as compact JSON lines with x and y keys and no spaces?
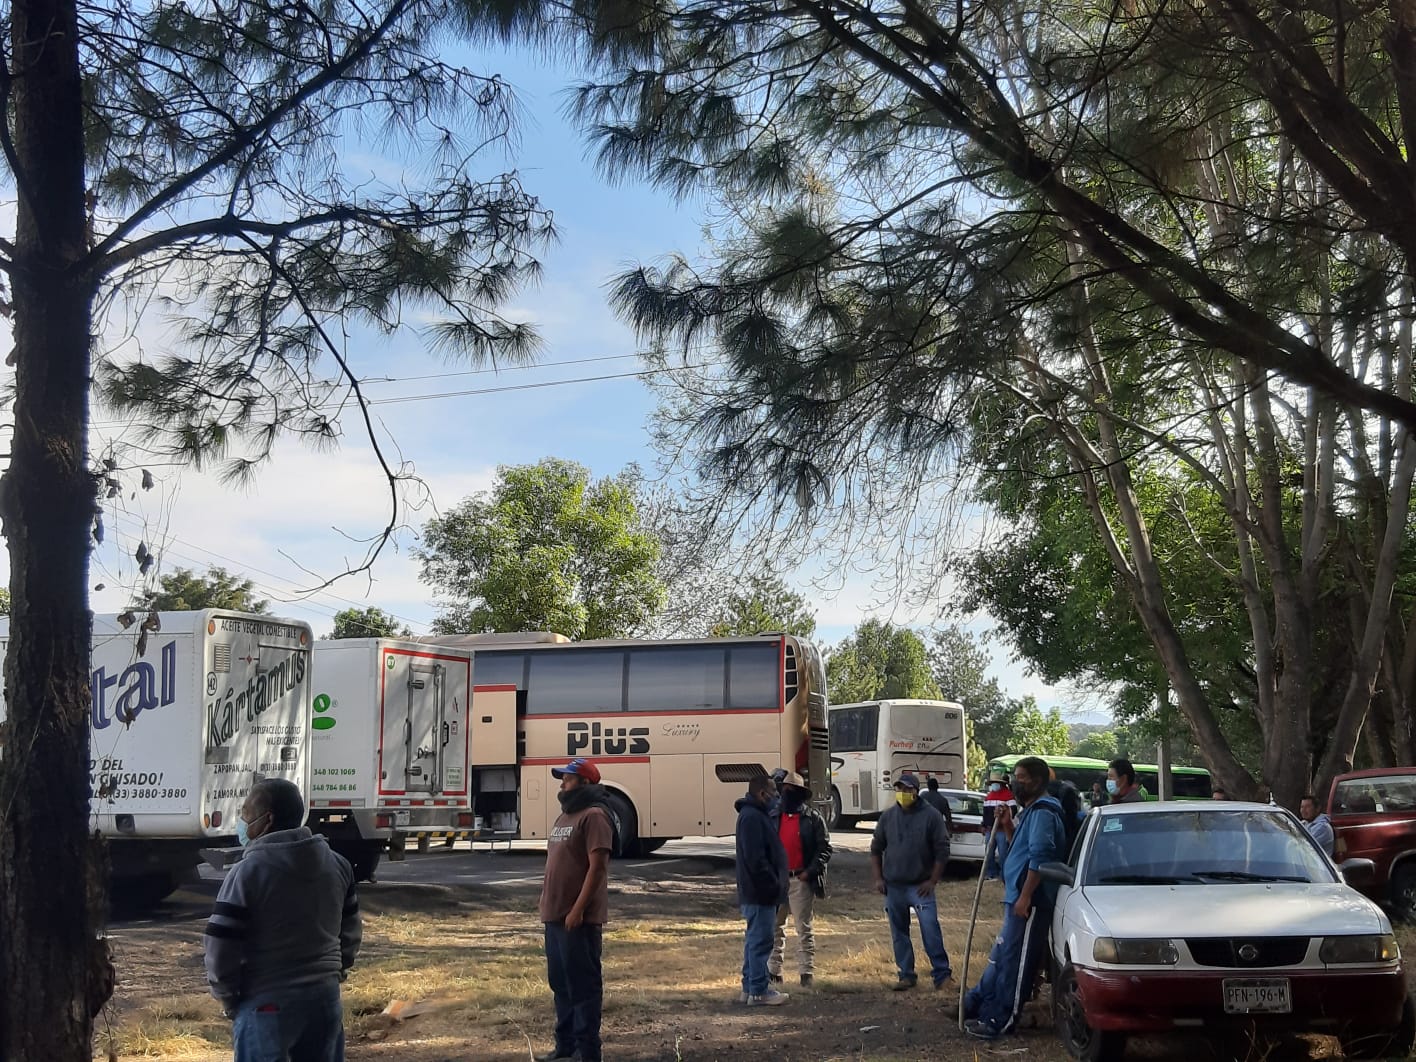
{"x":1373,"y":817}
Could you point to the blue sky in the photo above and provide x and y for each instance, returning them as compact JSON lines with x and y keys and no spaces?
{"x":310,"y":512}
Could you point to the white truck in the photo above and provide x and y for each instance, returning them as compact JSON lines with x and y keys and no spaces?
{"x":185,"y":717}
{"x":391,"y":739}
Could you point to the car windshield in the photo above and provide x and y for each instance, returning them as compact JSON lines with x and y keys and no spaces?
{"x":1202,"y":847}
{"x":965,"y":803}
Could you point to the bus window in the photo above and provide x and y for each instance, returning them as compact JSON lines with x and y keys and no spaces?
{"x":690,"y":677}
{"x":499,"y":669}
{"x":589,"y":680}
{"x":1149,"y":781}
{"x":1191,"y":786}
{"x":755,"y":676}
{"x":855,"y":729}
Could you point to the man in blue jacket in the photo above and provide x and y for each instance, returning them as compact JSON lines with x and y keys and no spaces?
{"x":1037,"y":837}
{"x":761,"y":889}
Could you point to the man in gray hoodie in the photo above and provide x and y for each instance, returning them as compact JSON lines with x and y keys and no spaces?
{"x":908,"y":855}
{"x":283,"y":934}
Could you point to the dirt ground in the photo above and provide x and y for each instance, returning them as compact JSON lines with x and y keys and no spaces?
{"x":672,"y":961}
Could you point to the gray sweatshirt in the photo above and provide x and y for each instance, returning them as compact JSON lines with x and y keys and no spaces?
{"x":910,"y":843}
{"x":287,"y":914}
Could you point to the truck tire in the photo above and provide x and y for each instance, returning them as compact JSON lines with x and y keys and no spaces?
{"x":140,"y":893}
{"x":1382,"y":1043}
{"x":366,"y":862}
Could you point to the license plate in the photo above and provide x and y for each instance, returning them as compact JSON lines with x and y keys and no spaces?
{"x":1257,"y":995}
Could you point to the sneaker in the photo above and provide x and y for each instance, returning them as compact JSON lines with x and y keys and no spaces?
{"x":904,"y":984}
{"x":980,"y":1029}
{"x":742,"y":996}
{"x":769,"y":998}
{"x":807,"y":980}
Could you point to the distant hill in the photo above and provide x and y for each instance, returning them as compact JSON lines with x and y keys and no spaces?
{"x":1077,"y":731}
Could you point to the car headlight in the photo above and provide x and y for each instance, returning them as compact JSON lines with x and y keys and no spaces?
{"x":1377,"y":947}
{"x":1138,"y":951}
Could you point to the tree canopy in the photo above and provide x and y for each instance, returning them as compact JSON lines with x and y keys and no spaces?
{"x":368,"y":622}
{"x":183,"y":590}
{"x":547,"y":548}
{"x":878,"y":661}
{"x":761,"y":603}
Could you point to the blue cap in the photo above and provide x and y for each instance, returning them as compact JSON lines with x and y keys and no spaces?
{"x":907,"y":780}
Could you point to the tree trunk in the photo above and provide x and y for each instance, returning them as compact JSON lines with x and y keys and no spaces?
{"x":54,"y":973}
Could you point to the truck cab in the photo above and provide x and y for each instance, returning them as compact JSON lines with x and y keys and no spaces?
{"x":1373,"y":815}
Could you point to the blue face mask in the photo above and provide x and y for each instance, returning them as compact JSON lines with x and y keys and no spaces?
{"x":243,"y":831}
{"x":1111,"y":786}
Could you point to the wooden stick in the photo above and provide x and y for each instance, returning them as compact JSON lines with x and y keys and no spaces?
{"x":973,"y":917}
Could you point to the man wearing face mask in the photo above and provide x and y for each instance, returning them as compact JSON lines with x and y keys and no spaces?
{"x":283,"y":934}
{"x":1121,"y":784}
{"x":761,"y":888}
{"x":575,"y":904}
{"x":908,"y":854}
{"x":807,"y":842}
{"x":1037,"y":837}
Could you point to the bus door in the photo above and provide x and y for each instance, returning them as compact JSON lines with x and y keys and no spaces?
{"x":426,"y":732}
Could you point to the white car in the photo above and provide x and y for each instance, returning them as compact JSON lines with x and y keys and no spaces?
{"x":1201,"y":915}
{"x":966,"y":842}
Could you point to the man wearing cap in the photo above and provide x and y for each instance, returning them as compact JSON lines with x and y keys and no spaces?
{"x":908,"y":854}
{"x":574,"y":907}
{"x":807,"y":842}
{"x":997,"y":801}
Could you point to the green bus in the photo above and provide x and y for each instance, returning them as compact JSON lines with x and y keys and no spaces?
{"x":1190,"y":783}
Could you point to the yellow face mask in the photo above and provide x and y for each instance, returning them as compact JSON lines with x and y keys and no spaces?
{"x":904,"y":798}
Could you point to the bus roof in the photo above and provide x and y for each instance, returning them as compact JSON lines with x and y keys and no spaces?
{"x":899,"y":700}
{"x":1085,"y":763}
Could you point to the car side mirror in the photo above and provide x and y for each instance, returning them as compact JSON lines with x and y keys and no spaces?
{"x":1061,"y":873}
{"x":1357,"y":871}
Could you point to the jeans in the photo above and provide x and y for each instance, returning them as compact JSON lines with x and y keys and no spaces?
{"x":899,"y":899}
{"x":997,"y":856}
{"x":757,"y":945}
{"x":1007,"y":983}
{"x":300,"y":1024}
{"x":800,"y":901}
{"x":573,"y":970}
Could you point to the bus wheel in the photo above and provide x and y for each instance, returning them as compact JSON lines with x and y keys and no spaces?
{"x":839,"y":821}
{"x":627,"y":843}
{"x":651,"y":844}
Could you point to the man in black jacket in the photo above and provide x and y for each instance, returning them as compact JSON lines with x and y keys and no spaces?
{"x":761,"y":889}
{"x":807,"y":842}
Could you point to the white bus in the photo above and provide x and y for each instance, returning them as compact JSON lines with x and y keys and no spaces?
{"x":873,"y":742}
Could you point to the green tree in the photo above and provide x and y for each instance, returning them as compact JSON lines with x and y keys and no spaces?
{"x":1099,"y":745}
{"x":959,"y":663}
{"x":183,"y":590}
{"x":368,"y":622}
{"x":878,"y":661}
{"x":546,"y":548}
{"x":4,"y":601}
{"x":194,"y":157}
{"x":1037,"y":733}
{"x":763,"y":602}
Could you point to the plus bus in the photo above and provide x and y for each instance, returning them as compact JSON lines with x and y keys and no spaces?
{"x":677,"y":728}
{"x":1188,"y":783}
{"x":874,"y":741}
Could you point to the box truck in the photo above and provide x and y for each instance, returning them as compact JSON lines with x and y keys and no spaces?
{"x":187,"y":712}
{"x":390,"y":740}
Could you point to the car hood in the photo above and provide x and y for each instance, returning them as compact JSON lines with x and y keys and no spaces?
{"x":1279,"y":909}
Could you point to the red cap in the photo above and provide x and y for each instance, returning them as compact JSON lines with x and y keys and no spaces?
{"x":581,"y":766}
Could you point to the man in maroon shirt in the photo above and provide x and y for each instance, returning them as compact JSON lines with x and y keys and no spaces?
{"x":574,"y":907}
{"x":804,"y":835}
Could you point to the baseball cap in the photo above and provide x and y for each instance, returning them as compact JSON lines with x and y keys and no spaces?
{"x":581,"y":766}
{"x":907,"y":780}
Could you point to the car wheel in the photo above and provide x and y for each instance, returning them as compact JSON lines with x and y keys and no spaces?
{"x":1081,"y":1041}
{"x":1403,"y":892}
{"x":1383,"y":1043}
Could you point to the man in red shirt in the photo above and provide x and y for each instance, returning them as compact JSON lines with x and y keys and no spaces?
{"x":804,"y":835}
{"x":574,"y":907}
{"x":998,"y":801}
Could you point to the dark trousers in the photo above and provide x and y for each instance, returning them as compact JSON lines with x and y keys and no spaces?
{"x":573,"y":970}
{"x":1007,"y":983}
